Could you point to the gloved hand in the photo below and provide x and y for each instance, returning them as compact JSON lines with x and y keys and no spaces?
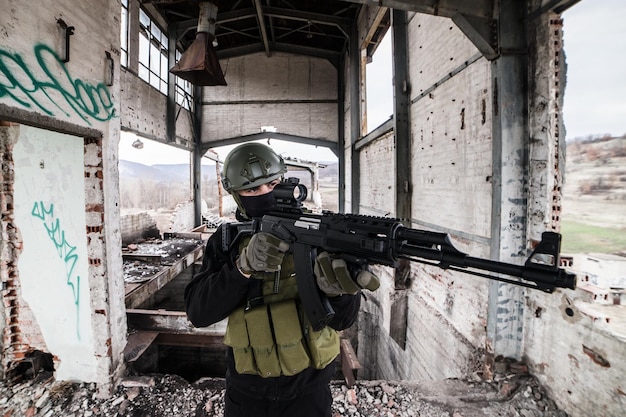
{"x":334,"y":277}
{"x":264,"y":252}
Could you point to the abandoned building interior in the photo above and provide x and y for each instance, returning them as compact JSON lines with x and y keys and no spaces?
{"x":474,"y":148}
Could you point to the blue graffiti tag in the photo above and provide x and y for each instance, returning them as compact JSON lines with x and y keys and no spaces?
{"x":56,"y":86}
{"x":64,"y":249}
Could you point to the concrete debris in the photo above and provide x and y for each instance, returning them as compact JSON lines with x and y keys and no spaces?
{"x":212,"y":221}
{"x":170,"y":396}
{"x":143,"y":261}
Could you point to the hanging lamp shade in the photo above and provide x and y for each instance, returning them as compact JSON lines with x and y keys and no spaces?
{"x":199,"y":64}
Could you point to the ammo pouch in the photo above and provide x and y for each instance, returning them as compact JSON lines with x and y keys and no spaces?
{"x":323,"y":345}
{"x":268,"y":341}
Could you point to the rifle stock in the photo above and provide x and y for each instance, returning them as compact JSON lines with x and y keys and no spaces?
{"x":384,"y":241}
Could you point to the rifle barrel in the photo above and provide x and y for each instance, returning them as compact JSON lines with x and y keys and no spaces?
{"x":444,"y":253}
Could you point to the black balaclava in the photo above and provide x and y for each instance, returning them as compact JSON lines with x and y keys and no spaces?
{"x":258,"y":205}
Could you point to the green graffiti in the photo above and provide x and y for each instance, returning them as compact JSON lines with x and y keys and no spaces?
{"x":64,"y":249}
{"x":50,"y":86}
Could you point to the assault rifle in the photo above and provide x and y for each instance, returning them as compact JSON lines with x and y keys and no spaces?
{"x":379,"y":240}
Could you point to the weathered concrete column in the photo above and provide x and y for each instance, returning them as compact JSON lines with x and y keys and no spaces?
{"x":509,"y":215}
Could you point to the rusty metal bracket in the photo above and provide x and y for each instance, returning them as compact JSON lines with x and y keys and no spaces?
{"x":69,"y":31}
{"x":110,"y":70}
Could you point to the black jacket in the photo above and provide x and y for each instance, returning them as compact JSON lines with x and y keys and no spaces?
{"x":219,"y":288}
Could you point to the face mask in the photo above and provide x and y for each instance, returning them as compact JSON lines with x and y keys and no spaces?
{"x":258,"y":205}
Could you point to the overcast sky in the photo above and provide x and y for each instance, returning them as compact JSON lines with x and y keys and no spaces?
{"x":594,"y":101}
{"x":595,"y":47}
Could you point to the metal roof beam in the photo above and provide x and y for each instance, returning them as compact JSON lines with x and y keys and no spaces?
{"x":445,"y":8}
{"x":268,"y":136}
{"x":322,"y":19}
{"x":262,"y":29}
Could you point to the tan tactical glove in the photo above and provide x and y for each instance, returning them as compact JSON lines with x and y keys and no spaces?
{"x":334,"y":277}
{"x":264,"y":252}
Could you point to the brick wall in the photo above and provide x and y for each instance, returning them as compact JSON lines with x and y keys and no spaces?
{"x":135,"y":227}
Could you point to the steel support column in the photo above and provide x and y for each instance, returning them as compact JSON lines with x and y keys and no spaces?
{"x":401,"y":115}
{"x":510,"y":172}
{"x":355,"y":116}
{"x":341,"y":133}
{"x":197,"y":155}
{"x":170,"y":110}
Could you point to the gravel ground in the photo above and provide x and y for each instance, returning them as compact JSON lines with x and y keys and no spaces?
{"x":170,"y":395}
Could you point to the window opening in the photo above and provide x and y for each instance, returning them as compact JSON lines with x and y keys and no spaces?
{"x":183,"y":89}
{"x":124,"y":34}
{"x":153,"y":50}
{"x":379,"y":84}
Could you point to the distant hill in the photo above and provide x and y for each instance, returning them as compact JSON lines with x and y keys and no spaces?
{"x":162,"y":172}
{"x":596,"y":168}
{"x":180,"y":172}
{"x":593,"y":217}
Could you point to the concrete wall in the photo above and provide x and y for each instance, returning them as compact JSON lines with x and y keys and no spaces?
{"x":570,"y":344}
{"x":451,"y":171}
{"x":62,"y":286}
{"x":295,"y":94}
{"x":143,"y":111}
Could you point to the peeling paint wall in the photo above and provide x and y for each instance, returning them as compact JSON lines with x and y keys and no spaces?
{"x":577,"y":353}
{"x":61,"y":292}
{"x":53,"y":265}
{"x":570,"y":341}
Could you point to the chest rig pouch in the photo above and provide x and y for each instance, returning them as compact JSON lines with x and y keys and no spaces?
{"x":270,"y":335}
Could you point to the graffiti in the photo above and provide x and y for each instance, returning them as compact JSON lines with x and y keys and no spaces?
{"x":51,"y":86}
{"x":64,"y":249}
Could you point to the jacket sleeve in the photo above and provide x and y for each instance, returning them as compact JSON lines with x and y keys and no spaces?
{"x":218,"y":288}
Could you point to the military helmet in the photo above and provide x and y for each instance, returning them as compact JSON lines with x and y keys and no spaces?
{"x":251,"y":165}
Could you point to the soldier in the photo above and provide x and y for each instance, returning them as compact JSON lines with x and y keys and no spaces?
{"x":277,"y":365}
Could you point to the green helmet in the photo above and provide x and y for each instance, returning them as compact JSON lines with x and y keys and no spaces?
{"x":250,"y":165}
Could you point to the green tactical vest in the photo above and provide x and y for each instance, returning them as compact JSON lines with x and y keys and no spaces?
{"x":272,"y":337}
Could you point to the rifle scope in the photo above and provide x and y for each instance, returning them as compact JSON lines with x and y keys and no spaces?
{"x":290,"y":193}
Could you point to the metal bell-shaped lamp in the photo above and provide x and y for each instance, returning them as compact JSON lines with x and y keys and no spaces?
{"x":199,"y":64}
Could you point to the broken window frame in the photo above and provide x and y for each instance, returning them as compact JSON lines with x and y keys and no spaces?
{"x":124,"y":35}
{"x":153,"y":51}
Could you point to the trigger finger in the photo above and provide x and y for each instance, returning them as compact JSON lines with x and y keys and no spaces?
{"x":283,"y":246}
{"x":277,"y":243}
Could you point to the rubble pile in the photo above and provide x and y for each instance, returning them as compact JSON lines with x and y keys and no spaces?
{"x":171,"y":396}
{"x":144,"y":260}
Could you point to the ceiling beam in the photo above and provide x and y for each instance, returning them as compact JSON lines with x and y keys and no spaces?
{"x":239,"y":51}
{"x":318,"y":18}
{"x":445,"y":8}
{"x":481,"y":32}
{"x":556,"y":6}
{"x":222,"y":18}
{"x":262,"y":29}
{"x":268,"y":136}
